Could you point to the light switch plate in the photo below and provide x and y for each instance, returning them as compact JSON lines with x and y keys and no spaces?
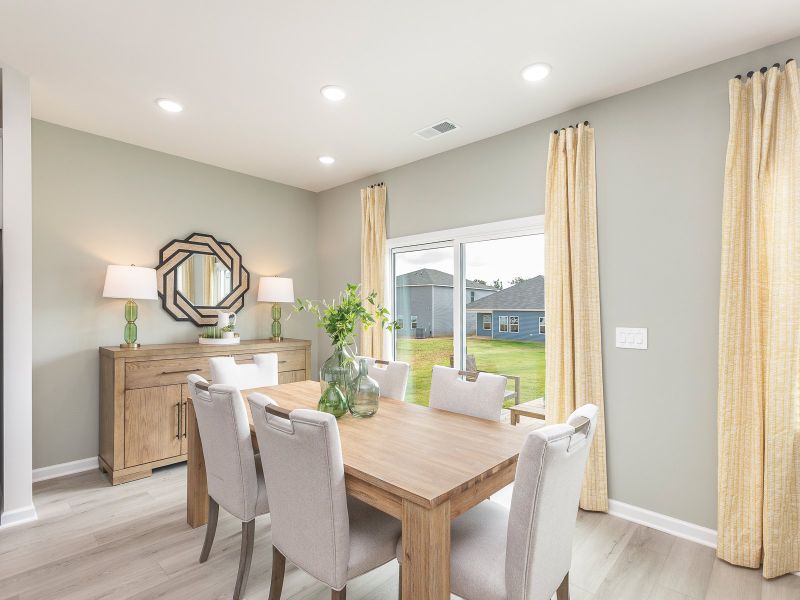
{"x":632,"y":337}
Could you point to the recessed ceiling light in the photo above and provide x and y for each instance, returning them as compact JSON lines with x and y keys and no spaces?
{"x":536,"y":72}
{"x":327,"y":160}
{"x":169,"y":105}
{"x":334,"y":93}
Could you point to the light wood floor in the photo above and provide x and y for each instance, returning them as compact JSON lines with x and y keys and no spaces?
{"x":132,"y":541}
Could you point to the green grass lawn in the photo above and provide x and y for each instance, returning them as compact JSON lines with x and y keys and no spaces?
{"x":525,"y":359}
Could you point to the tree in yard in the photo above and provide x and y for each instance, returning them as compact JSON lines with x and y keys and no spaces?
{"x":480,"y":281}
{"x":497,"y":284}
{"x":516,"y":280}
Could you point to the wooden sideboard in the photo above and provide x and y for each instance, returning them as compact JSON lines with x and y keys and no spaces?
{"x":143,"y":398}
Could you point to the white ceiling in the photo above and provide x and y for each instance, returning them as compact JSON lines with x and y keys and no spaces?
{"x":248,"y":72}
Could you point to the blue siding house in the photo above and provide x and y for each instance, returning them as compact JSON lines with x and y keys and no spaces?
{"x":515,"y":313}
{"x":424,"y":302}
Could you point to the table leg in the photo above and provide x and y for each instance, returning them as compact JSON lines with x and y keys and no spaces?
{"x":426,"y":552}
{"x":196,"y":483}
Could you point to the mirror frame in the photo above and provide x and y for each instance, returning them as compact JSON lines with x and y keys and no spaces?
{"x":172,"y":255}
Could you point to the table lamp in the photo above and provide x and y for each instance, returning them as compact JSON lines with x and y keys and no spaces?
{"x":131,"y":283}
{"x":276,"y":290}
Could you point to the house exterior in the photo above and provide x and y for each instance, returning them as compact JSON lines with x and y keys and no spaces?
{"x":424,"y":302}
{"x":515,"y":313}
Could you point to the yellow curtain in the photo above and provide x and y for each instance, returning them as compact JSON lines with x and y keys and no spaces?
{"x":759,"y":327}
{"x":574,"y":373}
{"x":208,"y":280}
{"x":373,"y":244}
{"x":187,"y":278}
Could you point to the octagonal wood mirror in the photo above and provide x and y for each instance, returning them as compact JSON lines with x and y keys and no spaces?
{"x":199,"y":276}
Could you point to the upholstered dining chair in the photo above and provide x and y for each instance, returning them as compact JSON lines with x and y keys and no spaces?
{"x":391,"y":375}
{"x":452,"y":390}
{"x":262,"y":372}
{"x":314,"y":523}
{"x":235,"y":477}
{"x":524,"y":553}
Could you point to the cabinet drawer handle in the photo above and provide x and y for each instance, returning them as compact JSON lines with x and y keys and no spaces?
{"x":180,"y":371}
{"x":185,"y":418}
{"x":178,"y":419}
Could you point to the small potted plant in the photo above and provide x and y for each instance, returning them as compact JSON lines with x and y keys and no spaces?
{"x":340,"y":319}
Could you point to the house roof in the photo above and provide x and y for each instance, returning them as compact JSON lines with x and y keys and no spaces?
{"x":526,"y":295}
{"x":435,"y":277}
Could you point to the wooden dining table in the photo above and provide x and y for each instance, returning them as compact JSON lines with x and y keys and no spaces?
{"x":420,"y":465}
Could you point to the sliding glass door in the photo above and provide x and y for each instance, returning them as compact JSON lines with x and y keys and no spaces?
{"x":504,"y":312}
{"x":474,"y":299}
{"x":423,"y":307}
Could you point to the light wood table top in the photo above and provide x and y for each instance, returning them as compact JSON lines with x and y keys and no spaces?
{"x":415,"y":452}
{"x":533,"y":409}
{"x":420,"y":465}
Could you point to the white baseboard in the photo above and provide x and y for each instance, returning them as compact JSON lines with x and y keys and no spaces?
{"x":648,"y":518}
{"x":18,"y":517}
{"x":68,"y":468}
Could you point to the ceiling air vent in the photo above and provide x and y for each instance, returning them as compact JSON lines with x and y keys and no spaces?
{"x":428,"y":133}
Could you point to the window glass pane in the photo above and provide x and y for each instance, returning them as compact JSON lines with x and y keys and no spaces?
{"x":424,"y":291}
{"x":506,"y":276}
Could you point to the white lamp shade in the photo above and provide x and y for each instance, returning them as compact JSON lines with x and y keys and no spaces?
{"x":275,"y":289}
{"x":133,"y":283}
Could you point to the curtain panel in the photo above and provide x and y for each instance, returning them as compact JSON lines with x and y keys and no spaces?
{"x":574,"y":364}
{"x":373,"y":249}
{"x":759,"y":327}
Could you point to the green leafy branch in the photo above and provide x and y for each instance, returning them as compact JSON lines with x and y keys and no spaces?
{"x":342,"y":316}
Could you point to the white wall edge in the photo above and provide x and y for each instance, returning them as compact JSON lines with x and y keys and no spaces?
{"x":67,"y":468}
{"x":648,"y":518}
{"x":19,"y":516}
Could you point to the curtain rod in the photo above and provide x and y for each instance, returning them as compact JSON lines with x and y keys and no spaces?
{"x":763,"y":70}
{"x":376,"y":185}
{"x":585,"y":123}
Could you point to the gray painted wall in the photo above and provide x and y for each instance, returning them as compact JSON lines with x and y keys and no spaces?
{"x":660,"y":161}
{"x":97,"y":201}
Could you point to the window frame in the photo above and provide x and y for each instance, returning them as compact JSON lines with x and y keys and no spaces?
{"x":484,"y":323}
{"x":502,"y":320}
{"x":413,"y":321}
{"x":542,"y":326}
{"x":511,"y":324}
{"x":456,"y":238}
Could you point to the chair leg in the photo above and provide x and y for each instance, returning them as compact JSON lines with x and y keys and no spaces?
{"x":211,"y":528}
{"x":562,"y":593}
{"x":278,"y":570}
{"x":245,"y":558}
{"x":339,"y":594}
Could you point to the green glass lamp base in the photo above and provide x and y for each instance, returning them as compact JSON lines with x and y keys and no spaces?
{"x":131,"y":332}
{"x":276,"y":322}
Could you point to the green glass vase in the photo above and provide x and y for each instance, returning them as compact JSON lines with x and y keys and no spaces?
{"x":339,"y":368}
{"x":366,"y":391}
{"x":333,"y":401}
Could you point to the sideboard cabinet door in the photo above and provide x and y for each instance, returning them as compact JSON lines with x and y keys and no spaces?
{"x":153,"y":424}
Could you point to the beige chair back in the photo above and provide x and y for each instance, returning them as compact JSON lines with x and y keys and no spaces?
{"x":304,"y":473}
{"x":263,"y":372}
{"x":544,"y":505}
{"x":391,"y":375}
{"x":227,"y":449}
{"x":483,"y":397}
